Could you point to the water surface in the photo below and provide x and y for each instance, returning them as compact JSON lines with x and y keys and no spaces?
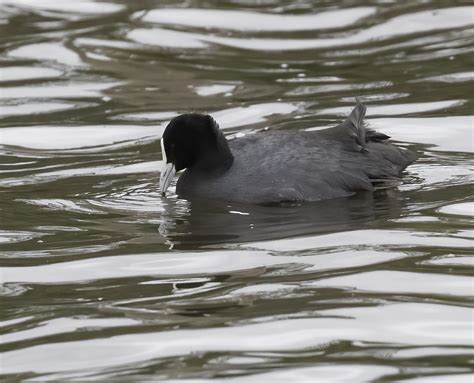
{"x":102,"y":278}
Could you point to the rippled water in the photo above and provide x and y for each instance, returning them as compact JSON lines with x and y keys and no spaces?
{"x":102,"y":278}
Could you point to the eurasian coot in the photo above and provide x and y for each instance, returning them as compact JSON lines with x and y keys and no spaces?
{"x":277,"y":166}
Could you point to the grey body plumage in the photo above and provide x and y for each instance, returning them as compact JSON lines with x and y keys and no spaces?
{"x":270,"y":167}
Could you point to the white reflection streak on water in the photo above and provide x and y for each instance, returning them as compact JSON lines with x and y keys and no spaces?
{"x":446,"y":18}
{"x":357,"y":324}
{"x":252,"y":21}
{"x":163,"y":264}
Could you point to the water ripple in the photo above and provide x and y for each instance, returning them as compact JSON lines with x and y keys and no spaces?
{"x":104,"y":279}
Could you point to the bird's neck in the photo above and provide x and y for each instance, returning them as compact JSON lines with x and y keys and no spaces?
{"x":215,"y":158}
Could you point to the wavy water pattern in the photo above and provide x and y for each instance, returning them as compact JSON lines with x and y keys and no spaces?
{"x":102,"y":278}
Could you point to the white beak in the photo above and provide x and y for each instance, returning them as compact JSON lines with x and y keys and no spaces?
{"x":167,"y":171}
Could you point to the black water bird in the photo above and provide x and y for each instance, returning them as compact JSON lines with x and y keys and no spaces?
{"x":277,"y":166}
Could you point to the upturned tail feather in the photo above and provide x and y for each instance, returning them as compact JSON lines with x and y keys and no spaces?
{"x":356,"y":119}
{"x":359,"y":129}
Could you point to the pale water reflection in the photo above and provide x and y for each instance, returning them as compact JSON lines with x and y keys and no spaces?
{"x":425,"y":21}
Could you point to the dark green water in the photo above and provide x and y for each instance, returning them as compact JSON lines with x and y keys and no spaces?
{"x":103,"y":279}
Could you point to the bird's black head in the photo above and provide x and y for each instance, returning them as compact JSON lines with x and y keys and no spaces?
{"x":193,"y":141}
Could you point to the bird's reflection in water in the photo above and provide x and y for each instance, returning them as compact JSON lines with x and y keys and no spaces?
{"x":187,"y":224}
